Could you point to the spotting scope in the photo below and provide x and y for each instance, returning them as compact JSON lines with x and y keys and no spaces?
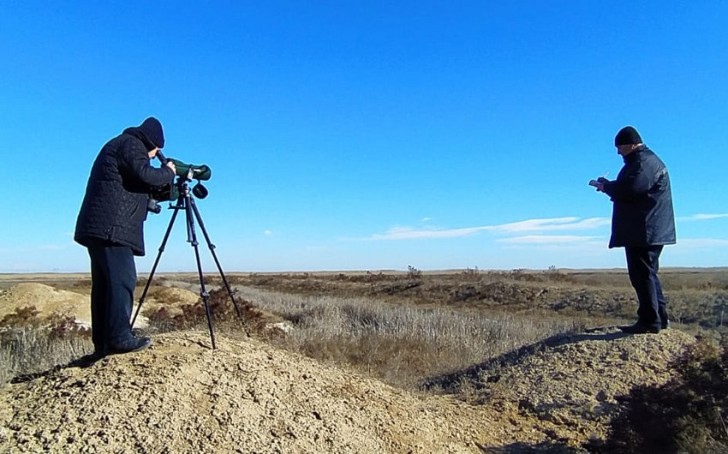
{"x":189,"y":171}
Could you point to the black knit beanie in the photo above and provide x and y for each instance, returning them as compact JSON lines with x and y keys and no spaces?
{"x":152,"y":130}
{"x":627,"y":136}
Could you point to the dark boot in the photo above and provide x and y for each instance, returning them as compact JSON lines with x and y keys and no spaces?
{"x":639,"y":328}
{"x":134,"y":344}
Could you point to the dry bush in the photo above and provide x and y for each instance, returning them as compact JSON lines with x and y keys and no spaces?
{"x":31,"y":348}
{"x":687,"y":414}
{"x":704,"y":308}
{"x":30,"y":343}
{"x":23,"y":316}
{"x":246,"y":318}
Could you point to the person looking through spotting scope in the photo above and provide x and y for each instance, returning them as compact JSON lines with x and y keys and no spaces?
{"x":110,"y":225}
{"x":643,"y":222}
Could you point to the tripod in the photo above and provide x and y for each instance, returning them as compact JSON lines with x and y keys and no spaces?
{"x":186,"y":202}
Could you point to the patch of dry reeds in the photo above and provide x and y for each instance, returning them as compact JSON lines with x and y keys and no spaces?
{"x":400,"y":344}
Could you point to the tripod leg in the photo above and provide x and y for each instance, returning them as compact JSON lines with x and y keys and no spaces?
{"x":214,"y":256}
{"x":156,"y":262}
{"x":192,"y":239}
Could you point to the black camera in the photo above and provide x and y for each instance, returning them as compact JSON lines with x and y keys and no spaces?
{"x":153,"y":206}
{"x":161,"y":194}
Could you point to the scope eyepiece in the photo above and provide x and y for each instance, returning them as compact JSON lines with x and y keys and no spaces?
{"x":162,"y":158}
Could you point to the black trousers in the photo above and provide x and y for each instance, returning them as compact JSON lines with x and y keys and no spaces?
{"x":113,"y":279}
{"x":643,"y":263}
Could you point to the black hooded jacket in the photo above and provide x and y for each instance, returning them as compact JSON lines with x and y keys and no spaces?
{"x":114,"y":207}
{"x":642,"y":214}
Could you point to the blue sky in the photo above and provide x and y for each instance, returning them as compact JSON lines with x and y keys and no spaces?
{"x":368,"y":135}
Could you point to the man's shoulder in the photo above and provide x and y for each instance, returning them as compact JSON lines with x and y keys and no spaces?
{"x":651,"y":162}
{"x":647,"y":154}
{"x":125,"y":143}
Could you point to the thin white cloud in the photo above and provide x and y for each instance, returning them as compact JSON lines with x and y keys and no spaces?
{"x":703,"y":217}
{"x":568,"y":223}
{"x":267,"y":232}
{"x":408,"y":233}
{"x":547,"y":239}
{"x":531,"y":225}
{"x":565,"y":223}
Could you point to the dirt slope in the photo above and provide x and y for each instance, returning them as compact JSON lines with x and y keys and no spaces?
{"x":567,"y":386}
{"x":247,"y":396}
{"x":181,"y":396}
{"x":49,"y":302}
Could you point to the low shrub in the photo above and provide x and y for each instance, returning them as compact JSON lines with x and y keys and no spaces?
{"x":687,"y":414}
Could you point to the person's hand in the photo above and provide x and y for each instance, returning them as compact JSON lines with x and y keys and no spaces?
{"x":598,"y":184}
{"x":170,"y":164}
{"x":601,"y":182}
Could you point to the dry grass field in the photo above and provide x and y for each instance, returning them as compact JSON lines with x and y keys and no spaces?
{"x":431,"y":333}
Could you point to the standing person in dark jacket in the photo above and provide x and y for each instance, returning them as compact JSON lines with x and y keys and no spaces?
{"x":110,"y":225}
{"x":642,"y":222}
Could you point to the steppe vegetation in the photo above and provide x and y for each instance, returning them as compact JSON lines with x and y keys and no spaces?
{"x":407,"y":328}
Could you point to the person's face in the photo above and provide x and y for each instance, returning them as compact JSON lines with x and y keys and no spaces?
{"x":624,"y":150}
{"x":153,"y":153}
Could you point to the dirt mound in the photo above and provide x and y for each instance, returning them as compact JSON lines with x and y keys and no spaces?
{"x":172,"y":299}
{"x":568,"y":386}
{"x":47,"y":300}
{"x":50,"y":302}
{"x":180,"y":396}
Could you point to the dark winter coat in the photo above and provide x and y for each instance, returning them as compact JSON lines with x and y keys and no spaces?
{"x":114,"y":207}
{"x":642,"y":214}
